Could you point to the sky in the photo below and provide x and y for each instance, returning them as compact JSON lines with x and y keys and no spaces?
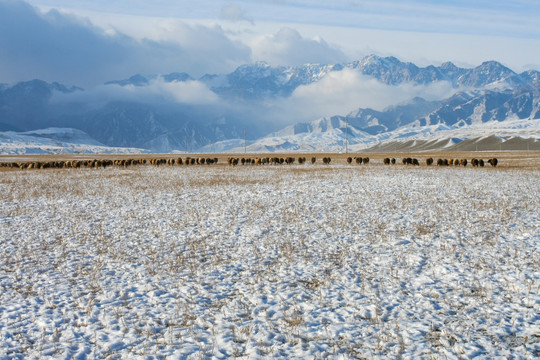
{"x":89,"y":42}
{"x":85,"y":43}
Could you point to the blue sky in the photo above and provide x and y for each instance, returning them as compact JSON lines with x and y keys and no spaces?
{"x":480,"y":17}
{"x":87,"y":42}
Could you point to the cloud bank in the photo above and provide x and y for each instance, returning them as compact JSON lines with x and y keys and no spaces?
{"x":341,"y":92}
{"x":57,"y":46}
{"x":157,"y":91}
{"x":64,"y":48}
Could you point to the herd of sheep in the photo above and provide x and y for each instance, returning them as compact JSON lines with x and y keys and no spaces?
{"x":233,"y":161}
{"x":443,"y":162}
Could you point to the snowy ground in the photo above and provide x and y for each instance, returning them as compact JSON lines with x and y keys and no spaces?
{"x":270,"y":262}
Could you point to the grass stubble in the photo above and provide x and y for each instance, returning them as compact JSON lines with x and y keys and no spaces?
{"x":339,"y":261}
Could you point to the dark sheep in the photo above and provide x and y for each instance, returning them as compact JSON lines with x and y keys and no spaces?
{"x":429,"y":161}
{"x":386,"y":161}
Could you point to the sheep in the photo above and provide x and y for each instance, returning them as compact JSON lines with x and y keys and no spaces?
{"x":349,"y":160}
{"x":313,"y":160}
{"x":409,"y":161}
{"x":327,"y":160}
{"x":289,"y":160}
{"x":429,"y":161}
{"x":386,"y":161}
{"x":493,"y":162}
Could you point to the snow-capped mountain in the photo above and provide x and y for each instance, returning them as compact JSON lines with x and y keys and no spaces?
{"x":146,"y":118}
{"x":56,"y":141}
{"x":262,"y":80}
{"x":469,"y":108}
{"x":464,"y":115}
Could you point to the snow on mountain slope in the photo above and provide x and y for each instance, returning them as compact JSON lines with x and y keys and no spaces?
{"x":406,"y":138}
{"x":67,"y":135}
{"x":56,"y":141}
{"x":516,"y":134}
{"x":261,"y":80}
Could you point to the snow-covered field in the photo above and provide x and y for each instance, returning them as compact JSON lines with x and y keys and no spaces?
{"x":270,"y":262}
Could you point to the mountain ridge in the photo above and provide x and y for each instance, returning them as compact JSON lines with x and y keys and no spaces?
{"x":261,"y":79}
{"x":492,"y":92}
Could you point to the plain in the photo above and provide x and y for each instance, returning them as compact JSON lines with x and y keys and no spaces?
{"x":296,"y":261}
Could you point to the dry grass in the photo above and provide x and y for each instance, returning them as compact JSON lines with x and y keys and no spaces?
{"x":305,"y":258}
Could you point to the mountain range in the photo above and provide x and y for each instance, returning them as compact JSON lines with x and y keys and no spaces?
{"x":138,"y":113}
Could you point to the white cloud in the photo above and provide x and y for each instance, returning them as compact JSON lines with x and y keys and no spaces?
{"x":288,"y":47}
{"x":189,"y":92}
{"x":341,"y":92}
{"x":157,"y":91}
